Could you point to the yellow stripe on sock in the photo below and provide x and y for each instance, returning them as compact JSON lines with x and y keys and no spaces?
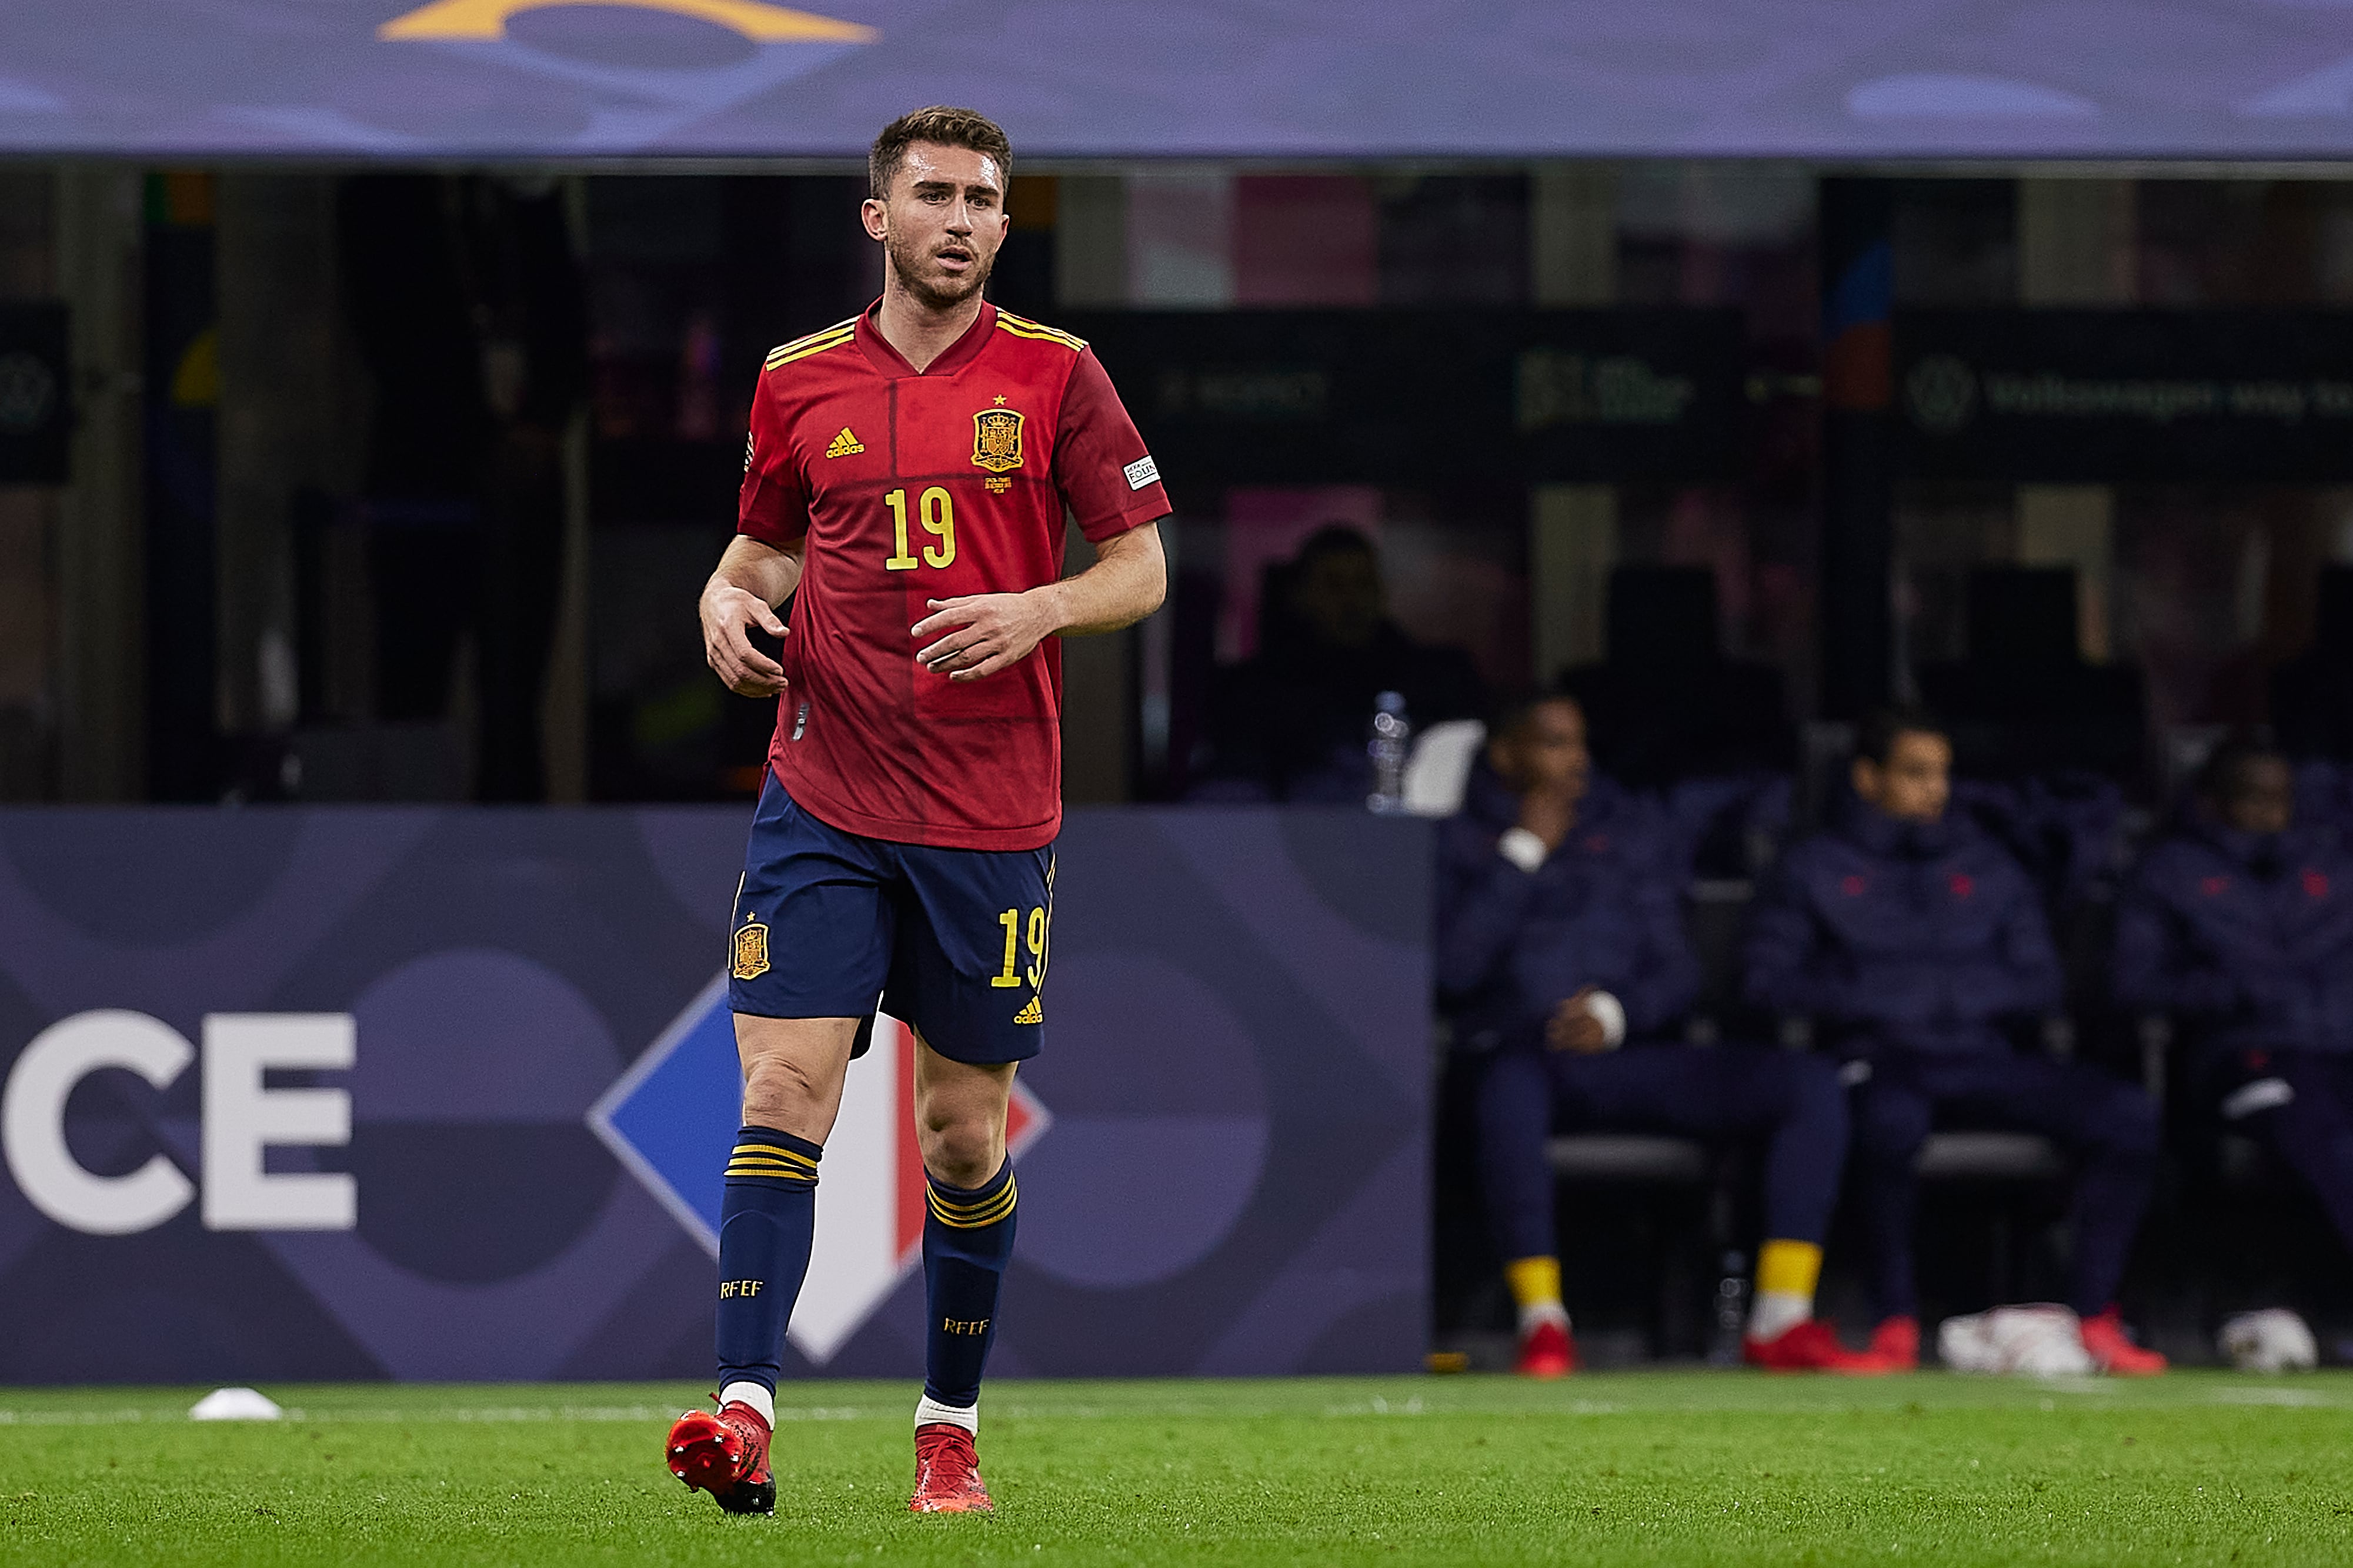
{"x":773,"y":1150}
{"x":1535,"y":1281}
{"x":973,"y":1215}
{"x":970,"y":1222}
{"x":770,"y":1168}
{"x":781,"y":1156}
{"x":962,"y":1205}
{"x":777,"y":1158}
{"x":1788,"y":1267}
{"x":997,"y":1208}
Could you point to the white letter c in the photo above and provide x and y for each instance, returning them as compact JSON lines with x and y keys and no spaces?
{"x":33,"y":1114}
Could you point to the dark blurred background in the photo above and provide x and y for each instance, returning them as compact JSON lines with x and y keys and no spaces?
{"x":330,"y":485}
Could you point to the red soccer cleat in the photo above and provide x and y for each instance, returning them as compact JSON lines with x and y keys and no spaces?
{"x":1896,"y":1344}
{"x":2113,"y":1351}
{"x":725,"y":1454}
{"x":947,"y":1472}
{"x":1811,"y":1346}
{"x":1547,"y":1351}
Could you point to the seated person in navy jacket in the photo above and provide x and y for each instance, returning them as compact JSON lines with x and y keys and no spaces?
{"x":1912,"y":940}
{"x":1560,"y":938}
{"x":2240,"y":924}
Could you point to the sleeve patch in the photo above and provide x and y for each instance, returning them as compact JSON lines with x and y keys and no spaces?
{"x":1141,"y":472}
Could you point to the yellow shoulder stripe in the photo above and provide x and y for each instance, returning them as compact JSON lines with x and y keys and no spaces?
{"x":848,"y":325}
{"x":815,"y":343}
{"x":1022,"y":327}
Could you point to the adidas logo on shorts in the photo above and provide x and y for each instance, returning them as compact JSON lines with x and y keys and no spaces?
{"x":1032,"y":1014}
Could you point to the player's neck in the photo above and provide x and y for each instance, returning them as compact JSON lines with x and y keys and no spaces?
{"x":918,"y":333}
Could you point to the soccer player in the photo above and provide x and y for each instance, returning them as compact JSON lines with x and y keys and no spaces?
{"x":1914,"y":940}
{"x":2240,"y":923}
{"x":905,"y":485}
{"x":1560,"y":938}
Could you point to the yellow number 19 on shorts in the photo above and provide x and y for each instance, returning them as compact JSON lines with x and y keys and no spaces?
{"x":1036,"y":973}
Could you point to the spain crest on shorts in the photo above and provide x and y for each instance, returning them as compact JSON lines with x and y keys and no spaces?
{"x":997,"y":439}
{"x":751,"y":950}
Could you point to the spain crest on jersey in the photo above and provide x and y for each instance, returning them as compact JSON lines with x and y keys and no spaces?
{"x":751,"y":950}
{"x":997,"y":439}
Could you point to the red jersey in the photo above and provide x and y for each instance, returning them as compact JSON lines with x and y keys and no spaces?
{"x":913,"y":487}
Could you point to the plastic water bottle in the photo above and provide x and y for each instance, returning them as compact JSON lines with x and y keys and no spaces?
{"x":1390,"y":744}
{"x":1731,"y":1309}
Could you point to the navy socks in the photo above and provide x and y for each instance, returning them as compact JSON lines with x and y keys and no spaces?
{"x":766,"y":1222}
{"x":968,"y":1241}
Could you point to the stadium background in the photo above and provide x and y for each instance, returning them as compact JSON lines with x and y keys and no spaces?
{"x":1338,"y":276}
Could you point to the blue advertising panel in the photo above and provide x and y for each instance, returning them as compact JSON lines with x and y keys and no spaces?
{"x":1119,"y":79}
{"x":445,"y":1094}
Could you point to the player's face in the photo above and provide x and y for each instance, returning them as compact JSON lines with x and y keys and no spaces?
{"x":942,"y":223}
{"x":1544,"y":752}
{"x":1339,"y":597}
{"x":2262,"y":796}
{"x":1915,"y":782}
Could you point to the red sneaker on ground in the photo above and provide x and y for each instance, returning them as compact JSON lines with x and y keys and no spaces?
{"x":1896,"y":1344}
{"x":1811,"y":1346}
{"x":1547,"y":1351}
{"x":947,"y":1472}
{"x":725,"y":1454}
{"x":2112,"y":1350}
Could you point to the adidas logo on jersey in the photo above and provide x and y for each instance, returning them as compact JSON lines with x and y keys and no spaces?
{"x":1032,"y":1014}
{"x":845,"y":445}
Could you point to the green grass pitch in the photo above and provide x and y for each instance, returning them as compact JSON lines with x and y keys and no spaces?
{"x":1640,"y":1468}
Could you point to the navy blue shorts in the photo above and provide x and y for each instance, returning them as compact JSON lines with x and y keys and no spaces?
{"x":952,"y":942}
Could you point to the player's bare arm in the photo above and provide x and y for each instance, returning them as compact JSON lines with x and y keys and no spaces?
{"x":750,"y":581}
{"x":982,"y":634}
{"x":924,"y":833}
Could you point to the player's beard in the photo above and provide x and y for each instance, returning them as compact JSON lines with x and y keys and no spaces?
{"x":946,"y":294}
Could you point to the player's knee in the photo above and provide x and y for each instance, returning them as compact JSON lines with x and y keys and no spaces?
{"x":779,"y":1092}
{"x":964,"y":1151}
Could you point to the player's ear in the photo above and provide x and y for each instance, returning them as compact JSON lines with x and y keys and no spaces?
{"x":875,"y":216}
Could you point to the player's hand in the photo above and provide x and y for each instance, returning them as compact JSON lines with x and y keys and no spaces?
{"x":1573,"y":1026}
{"x":981,"y":634}
{"x":727,"y":612}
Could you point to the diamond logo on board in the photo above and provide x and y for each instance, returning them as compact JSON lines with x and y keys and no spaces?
{"x":671,"y":1120}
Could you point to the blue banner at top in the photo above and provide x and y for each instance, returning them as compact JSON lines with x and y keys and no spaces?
{"x":1105,"y":79}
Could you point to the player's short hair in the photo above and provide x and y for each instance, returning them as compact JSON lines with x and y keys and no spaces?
{"x":941,"y":124}
{"x":1336,"y":539}
{"x":2223,"y":777}
{"x":1507,"y":712}
{"x":1875,"y":740}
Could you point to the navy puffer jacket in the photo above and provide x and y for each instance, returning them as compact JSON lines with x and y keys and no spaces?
{"x":2249,"y":936}
{"x":1918,"y":936}
{"x":1605,"y":910}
